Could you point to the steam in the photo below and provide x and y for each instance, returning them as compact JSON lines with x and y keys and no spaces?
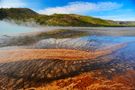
{"x":11,"y":28}
{"x":15,"y":36}
{"x":27,"y":35}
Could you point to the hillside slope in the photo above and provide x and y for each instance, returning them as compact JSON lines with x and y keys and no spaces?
{"x":25,"y":14}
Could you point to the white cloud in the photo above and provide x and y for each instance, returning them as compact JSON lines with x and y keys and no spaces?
{"x":81,"y":8}
{"x":119,"y":17}
{"x":11,"y":3}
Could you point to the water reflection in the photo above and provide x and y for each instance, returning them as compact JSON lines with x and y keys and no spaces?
{"x":113,"y":50}
{"x":70,"y":39}
{"x":80,"y":39}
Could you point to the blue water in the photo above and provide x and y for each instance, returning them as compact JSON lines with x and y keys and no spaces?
{"x":110,"y":39}
{"x":96,"y":39}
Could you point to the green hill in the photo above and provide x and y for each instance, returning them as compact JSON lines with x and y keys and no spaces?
{"x":25,"y":14}
{"x":17,"y":13}
{"x":72,"y":20}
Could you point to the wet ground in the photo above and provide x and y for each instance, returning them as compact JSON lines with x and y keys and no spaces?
{"x":118,"y":42}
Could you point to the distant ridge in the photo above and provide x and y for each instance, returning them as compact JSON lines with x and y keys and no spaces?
{"x":27,"y":15}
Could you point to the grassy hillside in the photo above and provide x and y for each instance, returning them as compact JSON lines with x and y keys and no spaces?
{"x":17,"y":13}
{"x":72,"y":20}
{"x":25,"y":14}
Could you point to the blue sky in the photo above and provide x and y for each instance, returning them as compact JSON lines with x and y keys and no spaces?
{"x":122,"y":10}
